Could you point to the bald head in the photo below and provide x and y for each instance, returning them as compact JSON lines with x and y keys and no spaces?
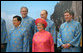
{"x":45,"y":11}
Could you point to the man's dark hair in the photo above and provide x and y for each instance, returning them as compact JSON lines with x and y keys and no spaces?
{"x":18,"y":17}
{"x":70,"y":12}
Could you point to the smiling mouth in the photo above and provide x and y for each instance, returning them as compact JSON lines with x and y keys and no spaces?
{"x":24,"y":14}
{"x":42,"y":17}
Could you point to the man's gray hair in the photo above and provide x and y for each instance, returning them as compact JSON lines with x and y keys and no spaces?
{"x":24,"y":7}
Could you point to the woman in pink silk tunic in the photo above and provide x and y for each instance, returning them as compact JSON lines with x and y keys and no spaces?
{"x":42,"y":41}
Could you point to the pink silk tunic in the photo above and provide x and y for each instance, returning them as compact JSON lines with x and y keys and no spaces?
{"x":42,"y":42}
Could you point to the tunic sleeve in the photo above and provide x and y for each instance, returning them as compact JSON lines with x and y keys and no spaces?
{"x":53,"y":32}
{"x":25,"y":42}
{"x":52,"y":43}
{"x":4,"y":31}
{"x":8,"y":41}
{"x":76,"y":41}
{"x":59,"y":40}
{"x":32,"y":28}
{"x":33,"y":44}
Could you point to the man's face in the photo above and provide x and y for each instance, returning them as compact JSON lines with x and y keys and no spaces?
{"x":67,"y":17}
{"x":43,"y":15}
{"x":24,"y":12}
{"x":16,"y":22}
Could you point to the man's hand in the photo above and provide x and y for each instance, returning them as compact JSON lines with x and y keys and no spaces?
{"x":2,"y":47}
{"x":66,"y":45}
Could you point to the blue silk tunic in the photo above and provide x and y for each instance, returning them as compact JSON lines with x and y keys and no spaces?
{"x":29,"y":23}
{"x":70,"y":32}
{"x":18,"y":40}
{"x":3,"y":31}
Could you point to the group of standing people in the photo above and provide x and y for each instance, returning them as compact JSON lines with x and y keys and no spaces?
{"x":29,"y":35}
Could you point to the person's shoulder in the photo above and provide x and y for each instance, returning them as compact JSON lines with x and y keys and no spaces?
{"x":50,"y":21}
{"x":47,"y":32}
{"x":11,"y":30}
{"x":23,"y":29}
{"x":76,"y":23}
{"x":63,"y":24}
{"x":36,"y":34}
{"x":2,"y":20}
{"x":30,"y":18}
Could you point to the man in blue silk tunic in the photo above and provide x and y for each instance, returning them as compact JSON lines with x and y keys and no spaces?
{"x":3,"y":35}
{"x":69,"y":34}
{"x":50,"y":27}
{"x":28,"y":23}
{"x":18,"y":39}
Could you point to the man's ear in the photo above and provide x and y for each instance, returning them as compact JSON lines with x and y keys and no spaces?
{"x":19,"y":21}
{"x":71,"y":16}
